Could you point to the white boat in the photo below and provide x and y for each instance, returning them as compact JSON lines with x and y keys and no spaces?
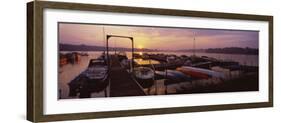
{"x":143,"y":72}
{"x":93,"y":79}
{"x":97,"y":70}
{"x":170,"y":59}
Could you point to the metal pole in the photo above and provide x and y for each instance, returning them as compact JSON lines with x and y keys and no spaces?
{"x":107,"y":54}
{"x":194,"y":44}
{"x":131,"y":38}
{"x":132,"y":54}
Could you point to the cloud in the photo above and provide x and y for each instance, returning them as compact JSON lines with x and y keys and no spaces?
{"x":157,"y":38}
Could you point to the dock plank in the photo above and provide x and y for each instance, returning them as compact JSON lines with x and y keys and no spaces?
{"x":121,"y":82}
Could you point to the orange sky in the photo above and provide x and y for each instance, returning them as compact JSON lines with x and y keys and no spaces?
{"x":155,"y":37}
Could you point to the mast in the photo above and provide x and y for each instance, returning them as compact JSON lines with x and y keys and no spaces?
{"x":194,"y":48}
{"x":103,"y":34}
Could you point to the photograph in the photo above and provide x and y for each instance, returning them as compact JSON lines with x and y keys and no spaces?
{"x":106,"y":60}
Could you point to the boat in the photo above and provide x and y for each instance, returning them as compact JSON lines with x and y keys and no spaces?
{"x":172,"y":75}
{"x":123,"y":59}
{"x":158,"y":57}
{"x":93,"y":79}
{"x":233,"y":67}
{"x":97,"y":69}
{"x":187,"y":62}
{"x":137,"y":55}
{"x":205,"y":65}
{"x":84,"y":54}
{"x":200,"y":72}
{"x":171,"y":58}
{"x":146,"y":62}
{"x":73,"y":57}
{"x":122,"y":56}
{"x":193,"y":74}
{"x":126,"y":63}
{"x":103,"y":56}
{"x":209,"y":58}
{"x":63,"y":60}
{"x":144,"y":76}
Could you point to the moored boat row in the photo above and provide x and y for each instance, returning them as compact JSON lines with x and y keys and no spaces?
{"x":148,"y":71}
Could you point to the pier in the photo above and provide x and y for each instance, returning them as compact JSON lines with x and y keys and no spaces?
{"x":121,"y":82}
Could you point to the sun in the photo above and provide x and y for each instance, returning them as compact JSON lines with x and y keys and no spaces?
{"x":140,"y":47}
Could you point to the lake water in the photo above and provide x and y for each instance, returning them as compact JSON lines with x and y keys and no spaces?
{"x":69,"y":71}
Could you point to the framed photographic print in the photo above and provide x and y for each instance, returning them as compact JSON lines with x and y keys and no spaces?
{"x":95,"y":61}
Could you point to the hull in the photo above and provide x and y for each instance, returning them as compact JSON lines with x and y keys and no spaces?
{"x":93,"y":79}
{"x":200,"y":72}
{"x":143,"y":73}
{"x":172,"y":74}
{"x":193,"y":74}
{"x":145,"y":83}
{"x":83,"y":84}
{"x":144,"y":76}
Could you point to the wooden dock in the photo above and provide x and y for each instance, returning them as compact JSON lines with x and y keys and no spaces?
{"x":121,"y":82}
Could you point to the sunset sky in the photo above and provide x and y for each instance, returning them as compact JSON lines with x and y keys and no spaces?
{"x":155,"y":37}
